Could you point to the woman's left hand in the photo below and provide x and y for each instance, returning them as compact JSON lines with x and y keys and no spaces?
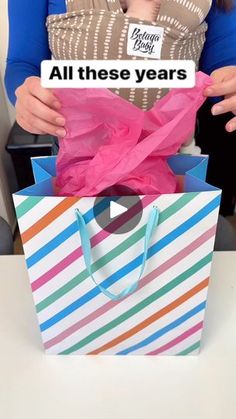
{"x":224,"y":84}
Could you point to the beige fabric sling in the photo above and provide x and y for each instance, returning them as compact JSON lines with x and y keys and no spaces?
{"x":98,"y":29}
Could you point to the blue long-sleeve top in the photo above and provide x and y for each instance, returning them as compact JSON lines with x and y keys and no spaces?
{"x":220,"y":46}
{"x":28,"y":40}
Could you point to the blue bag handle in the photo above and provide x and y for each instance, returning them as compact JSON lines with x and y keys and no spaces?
{"x":86,"y":247}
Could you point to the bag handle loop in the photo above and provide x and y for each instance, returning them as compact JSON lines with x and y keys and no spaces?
{"x":86,"y":247}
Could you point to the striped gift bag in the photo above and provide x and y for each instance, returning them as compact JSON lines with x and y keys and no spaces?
{"x":143,"y":292}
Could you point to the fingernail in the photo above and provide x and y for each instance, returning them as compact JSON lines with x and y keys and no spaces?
{"x":217,"y":110}
{"x":60,"y":121}
{"x":231,"y":127}
{"x":56,"y":105}
{"x":61,"y":132}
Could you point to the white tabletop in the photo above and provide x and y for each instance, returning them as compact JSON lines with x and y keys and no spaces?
{"x":36,"y":386}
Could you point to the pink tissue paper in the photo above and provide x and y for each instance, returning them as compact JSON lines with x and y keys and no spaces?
{"x":109,"y":141}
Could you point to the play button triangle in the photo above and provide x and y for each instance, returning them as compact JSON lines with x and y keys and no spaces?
{"x":116,"y":209}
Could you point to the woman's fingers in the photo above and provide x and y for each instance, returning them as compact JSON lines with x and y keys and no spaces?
{"x":37,"y":109}
{"x":27,"y":127}
{"x":222,"y":89}
{"x":227,"y":105}
{"x":36,"y":125}
{"x":49,"y":128}
{"x":33,"y":85}
{"x":42,"y":111}
{"x":224,"y":84}
{"x":231,"y":125}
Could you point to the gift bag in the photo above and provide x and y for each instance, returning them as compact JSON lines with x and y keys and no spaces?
{"x":103,"y":290}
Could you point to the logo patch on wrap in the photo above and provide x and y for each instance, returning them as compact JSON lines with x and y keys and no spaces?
{"x":145,"y":40}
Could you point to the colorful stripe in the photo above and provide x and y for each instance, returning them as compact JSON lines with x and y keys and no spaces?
{"x":168,"y":212}
{"x":169,"y":238}
{"x":151,"y":319}
{"x":27,"y":205}
{"x":48,"y":218}
{"x":137,"y":328}
{"x":179,"y":339}
{"x":116,"y":251}
{"x":147,"y":279}
{"x":159,"y":333}
{"x":65,"y":235}
{"x":147,"y":301}
{"x":190,"y":349}
{"x":98,"y":238}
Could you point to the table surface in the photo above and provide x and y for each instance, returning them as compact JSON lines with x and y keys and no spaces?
{"x":36,"y":386}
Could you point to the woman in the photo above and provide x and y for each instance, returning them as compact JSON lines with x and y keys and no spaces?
{"x":220,"y":52}
{"x":37,"y":109}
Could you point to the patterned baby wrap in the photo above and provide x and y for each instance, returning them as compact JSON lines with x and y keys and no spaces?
{"x":98,"y":30}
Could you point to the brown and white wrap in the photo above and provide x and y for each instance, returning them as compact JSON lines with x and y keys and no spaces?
{"x":98,"y":30}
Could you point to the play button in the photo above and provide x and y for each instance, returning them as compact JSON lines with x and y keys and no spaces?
{"x":116,"y":209}
{"x":118,"y":214}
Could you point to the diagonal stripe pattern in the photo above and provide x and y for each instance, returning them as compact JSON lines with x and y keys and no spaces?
{"x":165,"y":316}
{"x":153,"y":275}
{"x":122,"y":247}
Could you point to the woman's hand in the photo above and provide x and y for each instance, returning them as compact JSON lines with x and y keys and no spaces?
{"x":224,"y":84}
{"x":36,"y":109}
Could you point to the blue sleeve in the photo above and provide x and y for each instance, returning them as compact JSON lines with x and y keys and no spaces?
{"x":220,"y":46}
{"x":28,"y":40}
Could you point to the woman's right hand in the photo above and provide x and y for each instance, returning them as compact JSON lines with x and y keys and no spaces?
{"x":37,"y":109}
